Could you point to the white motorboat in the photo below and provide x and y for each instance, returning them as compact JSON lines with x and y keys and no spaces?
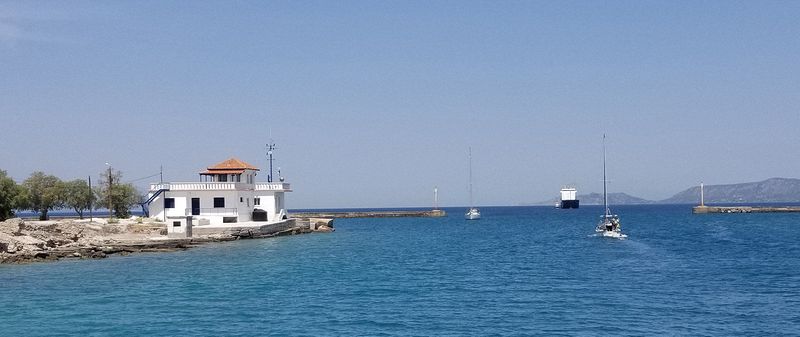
{"x":472,"y":214}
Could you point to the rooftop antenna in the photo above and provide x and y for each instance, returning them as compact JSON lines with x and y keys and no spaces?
{"x":270,"y":147}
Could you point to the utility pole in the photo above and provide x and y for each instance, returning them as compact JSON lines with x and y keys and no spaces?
{"x":91,"y":197}
{"x":109,"y":191}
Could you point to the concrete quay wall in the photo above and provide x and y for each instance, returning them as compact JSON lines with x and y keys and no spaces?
{"x":370,"y":214}
{"x":247,"y":229}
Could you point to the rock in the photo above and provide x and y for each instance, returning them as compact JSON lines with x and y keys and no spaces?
{"x":110,"y":250}
{"x":12,"y":226}
{"x":21,"y":243}
{"x":324,"y":229}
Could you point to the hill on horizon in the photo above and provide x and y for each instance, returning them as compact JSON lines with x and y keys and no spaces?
{"x":772,"y":190}
{"x":766,"y":191}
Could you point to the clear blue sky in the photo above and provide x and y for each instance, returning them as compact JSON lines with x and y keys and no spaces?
{"x":373,"y":103}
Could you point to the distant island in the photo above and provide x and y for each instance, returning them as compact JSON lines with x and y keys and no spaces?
{"x":773,"y":190}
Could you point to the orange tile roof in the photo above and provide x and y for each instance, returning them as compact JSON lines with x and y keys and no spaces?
{"x":212,"y":172}
{"x":233,"y":164}
{"x":230,"y":166}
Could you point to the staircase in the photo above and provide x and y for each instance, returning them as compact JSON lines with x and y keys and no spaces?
{"x":151,"y":196}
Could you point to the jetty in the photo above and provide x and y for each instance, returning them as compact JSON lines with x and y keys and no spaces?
{"x":23,"y":241}
{"x":370,"y":214}
{"x":703,"y":209}
{"x":745,"y":209}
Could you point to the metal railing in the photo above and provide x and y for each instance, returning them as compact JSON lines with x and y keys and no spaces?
{"x":220,"y":186}
{"x":201,"y":186}
{"x":279,"y":186}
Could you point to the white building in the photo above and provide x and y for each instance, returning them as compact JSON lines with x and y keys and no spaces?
{"x":227,"y":193}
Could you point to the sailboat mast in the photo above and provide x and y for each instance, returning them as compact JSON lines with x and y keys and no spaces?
{"x":470,"y":177}
{"x":605,"y":195}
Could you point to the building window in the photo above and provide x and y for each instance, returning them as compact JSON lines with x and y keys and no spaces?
{"x":219,"y":202}
{"x":176,"y":224}
{"x":257,"y":201}
{"x":222,"y":178}
{"x":169,"y":202}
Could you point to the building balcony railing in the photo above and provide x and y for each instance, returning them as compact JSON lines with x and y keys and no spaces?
{"x":221,"y":186}
{"x":213,"y":211}
{"x":202,"y":186}
{"x":279,"y":186}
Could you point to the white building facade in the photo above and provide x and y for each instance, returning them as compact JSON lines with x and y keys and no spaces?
{"x":227,"y":193}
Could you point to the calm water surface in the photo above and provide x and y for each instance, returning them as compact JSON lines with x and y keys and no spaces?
{"x":518,"y":271}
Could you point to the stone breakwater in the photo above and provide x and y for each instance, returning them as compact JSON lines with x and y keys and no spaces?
{"x":744,"y":209}
{"x":36,"y":241}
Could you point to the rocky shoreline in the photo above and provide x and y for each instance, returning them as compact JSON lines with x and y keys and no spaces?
{"x":23,"y":241}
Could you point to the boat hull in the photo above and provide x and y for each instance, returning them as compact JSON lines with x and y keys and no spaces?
{"x":612,"y":234}
{"x":472,"y":214}
{"x":570,"y":204}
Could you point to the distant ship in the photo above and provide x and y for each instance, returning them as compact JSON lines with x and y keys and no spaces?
{"x":569,"y":198}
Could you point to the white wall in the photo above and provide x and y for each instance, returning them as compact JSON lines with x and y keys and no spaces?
{"x":243,"y":201}
{"x":183,"y":202}
{"x":272,"y":202}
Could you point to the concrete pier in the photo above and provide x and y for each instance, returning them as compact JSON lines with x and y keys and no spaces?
{"x":371,"y":214}
{"x":744,"y":209}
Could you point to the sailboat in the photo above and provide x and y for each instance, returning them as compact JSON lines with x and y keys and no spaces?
{"x":473,"y":213}
{"x":609,"y":225}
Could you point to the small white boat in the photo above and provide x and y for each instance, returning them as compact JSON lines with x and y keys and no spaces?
{"x":473,"y":213}
{"x":609,"y":225}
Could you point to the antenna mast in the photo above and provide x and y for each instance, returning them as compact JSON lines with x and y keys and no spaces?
{"x":270,"y":148}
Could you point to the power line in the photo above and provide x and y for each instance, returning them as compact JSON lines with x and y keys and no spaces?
{"x":143,"y":178}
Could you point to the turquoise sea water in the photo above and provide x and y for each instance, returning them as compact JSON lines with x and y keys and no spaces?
{"x":519,"y":271}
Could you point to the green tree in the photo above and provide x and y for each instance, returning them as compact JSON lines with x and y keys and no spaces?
{"x":43,"y":193}
{"x":9,"y":196}
{"x":78,"y":196}
{"x":123,"y":196}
